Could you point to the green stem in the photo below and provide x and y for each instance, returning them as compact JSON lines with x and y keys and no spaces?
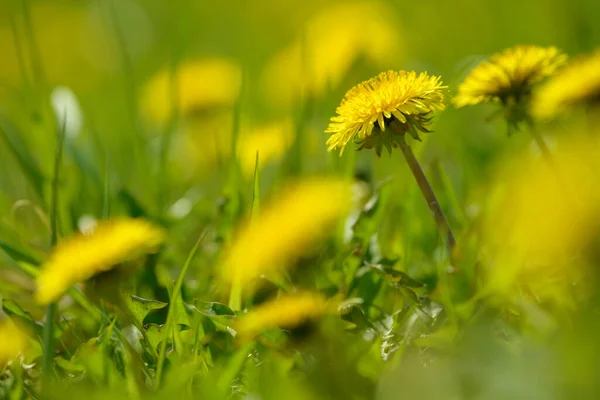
{"x":430,"y":198}
{"x":48,"y":339}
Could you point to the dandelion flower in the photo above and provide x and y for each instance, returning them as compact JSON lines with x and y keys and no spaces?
{"x":508,"y":78}
{"x":285,"y":229}
{"x":198,"y":85}
{"x":577,"y":83}
{"x":80,"y":257}
{"x":287,"y":311}
{"x":369,"y":107}
{"x":508,"y":75}
{"x":403,"y":102}
{"x":12,"y":342}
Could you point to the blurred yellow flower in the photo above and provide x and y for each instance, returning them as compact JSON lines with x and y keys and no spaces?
{"x":200,"y":87}
{"x":80,"y":257}
{"x":509,"y":76}
{"x":12,"y":342}
{"x":577,"y":83}
{"x":287,"y":311}
{"x":328,"y":47}
{"x":542,"y":219}
{"x":203,"y":143}
{"x":408,"y":97}
{"x":270,"y":141}
{"x":286,"y":229}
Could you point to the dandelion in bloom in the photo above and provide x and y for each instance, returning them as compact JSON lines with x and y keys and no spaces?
{"x":508,"y":78}
{"x":381,"y":111}
{"x":327,"y":48}
{"x":82,"y":256}
{"x":13,"y":342}
{"x":368,"y":108}
{"x":576,"y":84}
{"x":287,"y":311}
{"x":198,"y":86}
{"x":285,"y":230}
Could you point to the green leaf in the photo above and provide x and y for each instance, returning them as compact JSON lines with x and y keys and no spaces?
{"x":398,"y":278}
{"x":355,"y":315}
{"x":69,"y":366}
{"x":213,"y":309}
{"x":18,"y":254}
{"x":140,"y":307}
{"x":153,"y":335}
{"x":22,"y":318}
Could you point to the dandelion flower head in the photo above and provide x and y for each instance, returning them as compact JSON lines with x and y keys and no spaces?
{"x":198,"y":85}
{"x":286,"y":229}
{"x":369,"y":107}
{"x":287,"y":311}
{"x":577,"y":83}
{"x":508,"y":76}
{"x":82,"y":256}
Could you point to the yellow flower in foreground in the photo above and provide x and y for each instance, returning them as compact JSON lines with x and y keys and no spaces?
{"x":509,"y":76}
{"x":12,"y":342}
{"x":327,"y":48}
{"x":80,"y":257}
{"x":542,"y":221}
{"x":287,"y":311}
{"x":286,"y":229}
{"x":408,"y":97}
{"x":577,"y":83}
{"x":199,"y":86}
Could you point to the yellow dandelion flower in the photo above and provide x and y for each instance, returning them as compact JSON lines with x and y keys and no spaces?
{"x":542,"y":220}
{"x":328,"y":47}
{"x":80,"y":257}
{"x":201,"y":86}
{"x":285,"y":229}
{"x":12,"y":342}
{"x":287,"y":311}
{"x":577,"y":83}
{"x":508,"y":76}
{"x":270,"y":141}
{"x":407,"y":97}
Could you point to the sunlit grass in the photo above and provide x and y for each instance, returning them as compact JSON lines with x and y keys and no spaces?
{"x":172,"y":224}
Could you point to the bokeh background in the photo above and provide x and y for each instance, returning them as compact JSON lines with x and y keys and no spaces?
{"x":157,"y":96}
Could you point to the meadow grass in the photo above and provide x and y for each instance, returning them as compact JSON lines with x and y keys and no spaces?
{"x":176,"y":218}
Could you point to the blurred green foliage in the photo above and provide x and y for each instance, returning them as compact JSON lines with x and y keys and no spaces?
{"x":417,"y":327}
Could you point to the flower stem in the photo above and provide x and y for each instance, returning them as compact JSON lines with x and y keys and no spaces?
{"x":432,"y":202}
{"x":48,"y":333}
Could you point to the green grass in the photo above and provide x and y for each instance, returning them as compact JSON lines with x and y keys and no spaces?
{"x":416,"y":324}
